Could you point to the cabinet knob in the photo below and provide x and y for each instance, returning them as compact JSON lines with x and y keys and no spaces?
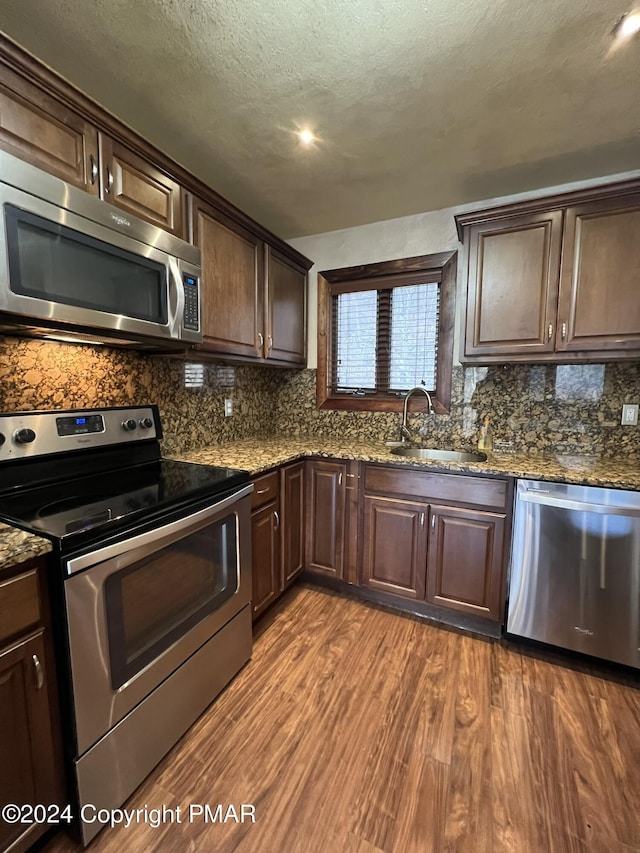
{"x":261,"y":339}
{"x":109,"y":183}
{"x":93,"y":168}
{"x":564,"y":332}
{"x":276,"y":517}
{"x":550,"y":332}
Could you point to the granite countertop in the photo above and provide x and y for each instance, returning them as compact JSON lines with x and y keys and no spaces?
{"x":259,"y":454}
{"x":16,"y":546}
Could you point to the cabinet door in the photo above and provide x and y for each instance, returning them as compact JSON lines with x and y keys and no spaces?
{"x":40,"y":130}
{"x":27,"y":755}
{"x":265,"y":544}
{"x":394,"y":555}
{"x":326,"y":517}
{"x":599,"y":289}
{"x":465,"y":561}
{"x":286,"y":309}
{"x":135,"y":185}
{"x":513,"y":269}
{"x":232,"y":284}
{"x":292,"y":518}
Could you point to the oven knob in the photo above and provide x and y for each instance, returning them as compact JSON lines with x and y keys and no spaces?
{"x":146,"y":423}
{"x":129,"y":424}
{"x":1,"y":439}
{"x":24,"y":436}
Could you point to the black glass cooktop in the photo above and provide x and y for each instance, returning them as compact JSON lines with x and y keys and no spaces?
{"x":101,"y":502}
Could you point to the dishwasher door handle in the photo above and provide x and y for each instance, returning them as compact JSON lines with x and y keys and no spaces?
{"x":546,"y":499}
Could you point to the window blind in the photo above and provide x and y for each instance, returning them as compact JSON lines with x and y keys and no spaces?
{"x":385,"y":341}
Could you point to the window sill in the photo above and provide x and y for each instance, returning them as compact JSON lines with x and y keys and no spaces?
{"x":378,"y":404}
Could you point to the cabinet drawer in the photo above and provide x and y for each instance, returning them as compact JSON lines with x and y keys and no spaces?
{"x":436,"y":487}
{"x":19,"y":604}
{"x":266,"y":488}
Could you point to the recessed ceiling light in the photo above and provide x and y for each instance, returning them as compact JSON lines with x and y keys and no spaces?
{"x":306,"y":136}
{"x":627,"y":26}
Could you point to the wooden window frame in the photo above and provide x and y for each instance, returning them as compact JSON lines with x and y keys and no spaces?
{"x":378,"y":275}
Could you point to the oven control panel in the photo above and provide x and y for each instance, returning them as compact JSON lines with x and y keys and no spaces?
{"x":31,"y":434}
{"x":79,"y":424}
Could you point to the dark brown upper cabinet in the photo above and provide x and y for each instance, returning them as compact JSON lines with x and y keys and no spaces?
{"x":600,"y":278}
{"x":254,"y":295}
{"x":285,"y":308}
{"x":41,"y":130}
{"x":134,"y":184}
{"x":232,"y":284}
{"x":554,"y":279}
{"x":46,"y":121}
{"x":512,"y":295}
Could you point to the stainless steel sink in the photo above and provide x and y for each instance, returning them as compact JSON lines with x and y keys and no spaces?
{"x":443,"y":455}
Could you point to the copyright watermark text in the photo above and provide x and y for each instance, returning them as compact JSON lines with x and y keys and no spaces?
{"x":154,"y":817}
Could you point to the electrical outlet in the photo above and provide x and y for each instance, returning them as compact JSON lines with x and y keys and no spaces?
{"x":629,"y":414}
{"x":228,"y":408}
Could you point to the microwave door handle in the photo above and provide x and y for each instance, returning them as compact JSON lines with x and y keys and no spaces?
{"x":175,"y":299}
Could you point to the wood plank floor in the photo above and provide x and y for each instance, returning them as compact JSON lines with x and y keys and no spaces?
{"x":356,"y":730}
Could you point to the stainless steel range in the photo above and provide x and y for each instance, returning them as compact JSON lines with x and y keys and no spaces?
{"x":151,"y":572}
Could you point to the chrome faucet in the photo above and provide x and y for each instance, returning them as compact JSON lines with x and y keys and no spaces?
{"x":405,"y":432}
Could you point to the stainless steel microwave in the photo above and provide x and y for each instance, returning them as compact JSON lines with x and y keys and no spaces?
{"x":74,"y":267}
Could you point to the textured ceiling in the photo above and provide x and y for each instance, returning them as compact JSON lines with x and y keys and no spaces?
{"x":418,"y":104}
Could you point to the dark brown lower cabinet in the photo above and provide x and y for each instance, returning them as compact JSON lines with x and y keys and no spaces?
{"x":398,"y":535}
{"x":265,"y":543}
{"x":277,"y":533}
{"x":292,"y":521}
{"x":465,"y":561}
{"x":30,"y":765}
{"x":326,"y":517}
{"x":395,"y":546}
{"x":418,"y":547}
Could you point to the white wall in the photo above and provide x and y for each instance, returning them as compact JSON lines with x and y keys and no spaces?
{"x":420,"y":234}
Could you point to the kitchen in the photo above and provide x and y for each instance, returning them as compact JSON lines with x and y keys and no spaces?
{"x":537,"y":408}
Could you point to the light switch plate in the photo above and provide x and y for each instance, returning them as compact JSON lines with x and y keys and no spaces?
{"x":629,"y":414}
{"x":228,"y":408}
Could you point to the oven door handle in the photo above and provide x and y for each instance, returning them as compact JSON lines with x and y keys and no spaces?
{"x":189,"y":522}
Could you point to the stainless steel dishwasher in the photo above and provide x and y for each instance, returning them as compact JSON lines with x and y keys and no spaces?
{"x":575,"y":569}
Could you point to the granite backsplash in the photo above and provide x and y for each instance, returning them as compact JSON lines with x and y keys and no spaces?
{"x":46,"y":375}
{"x":570,"y":409}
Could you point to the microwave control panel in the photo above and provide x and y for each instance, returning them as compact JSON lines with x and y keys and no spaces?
{"x":191,"y":307}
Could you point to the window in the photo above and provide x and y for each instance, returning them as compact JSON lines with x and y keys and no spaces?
{"x":384,"y":329}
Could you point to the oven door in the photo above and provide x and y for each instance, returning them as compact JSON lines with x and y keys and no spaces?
{"x":137,"y":609}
